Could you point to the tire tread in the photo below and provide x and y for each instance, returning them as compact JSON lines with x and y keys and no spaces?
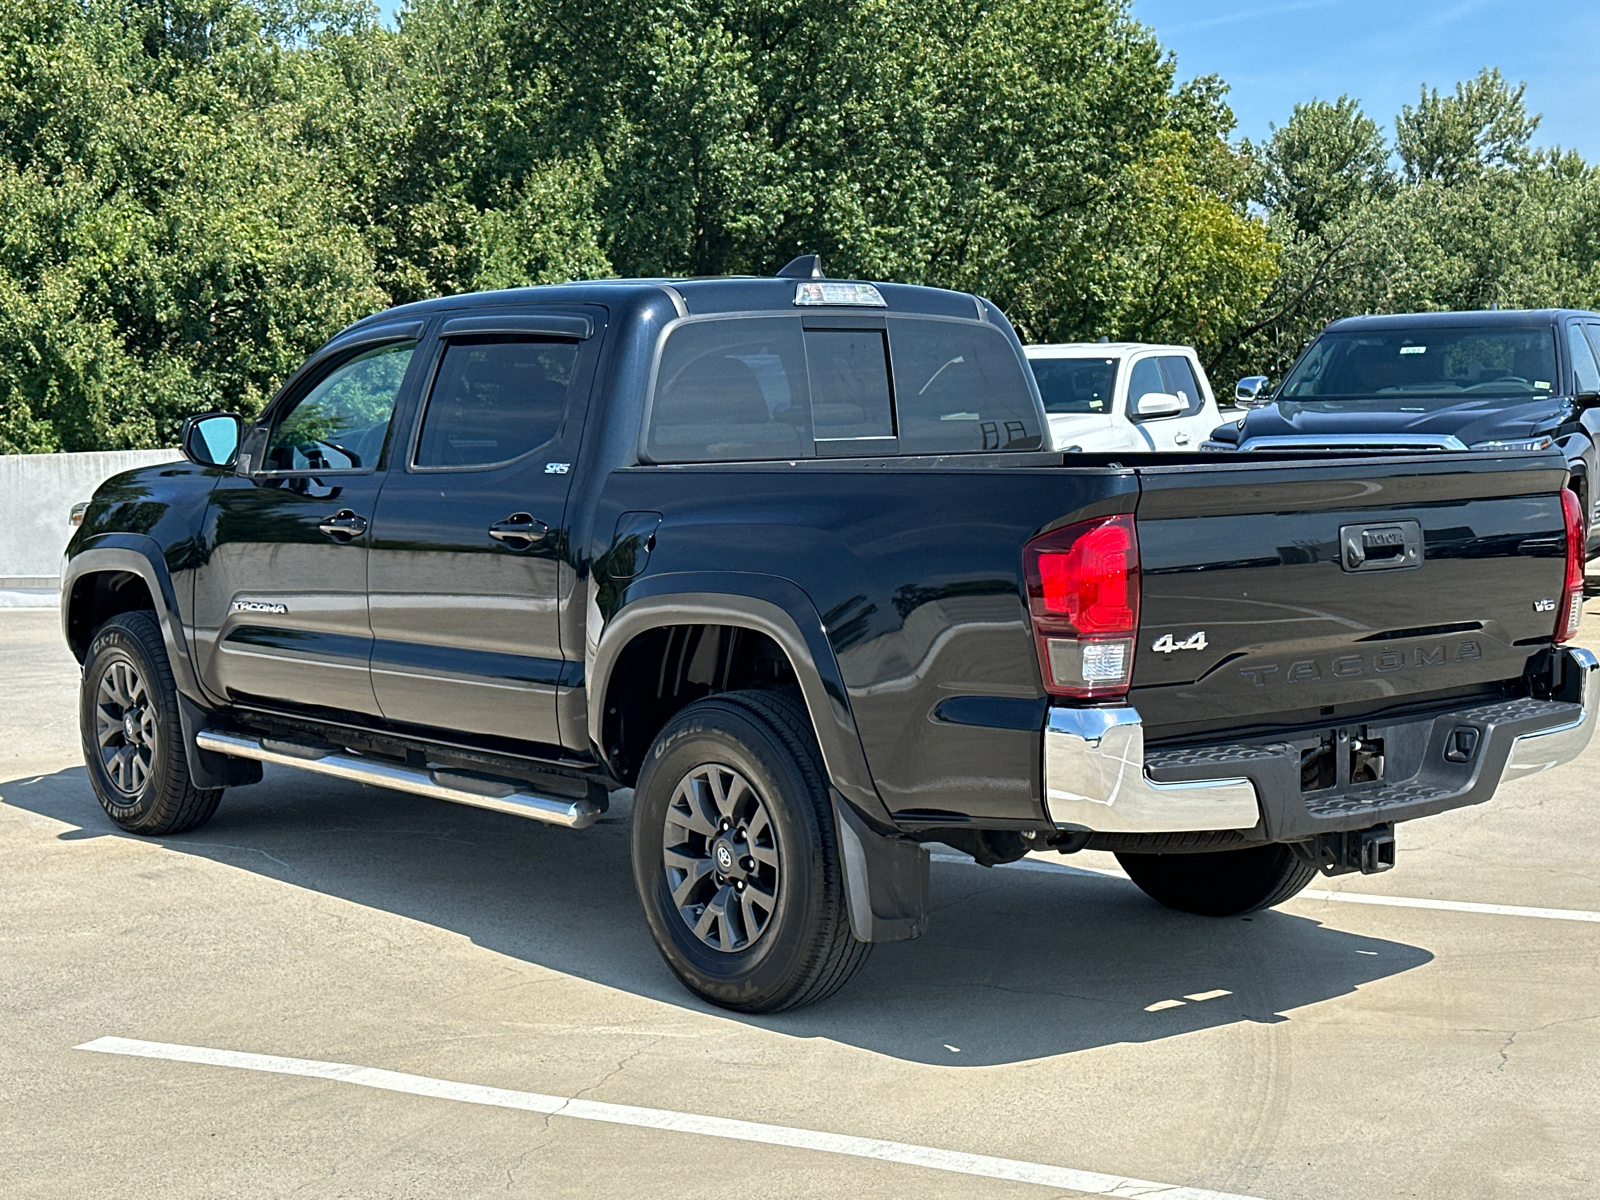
{"x":838,"y":954}
{"x":179,"y":806}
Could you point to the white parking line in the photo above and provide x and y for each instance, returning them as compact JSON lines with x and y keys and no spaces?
{"x":1464,"y":906}
{"x":1093,"y":1183}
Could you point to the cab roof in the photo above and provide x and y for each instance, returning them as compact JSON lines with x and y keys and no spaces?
{"x":1491,"y":318}
{"x":698,"y":296}
{"x":1098,"y":349}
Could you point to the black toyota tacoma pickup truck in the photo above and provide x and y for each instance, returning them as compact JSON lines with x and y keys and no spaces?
{"x":785,"y":556}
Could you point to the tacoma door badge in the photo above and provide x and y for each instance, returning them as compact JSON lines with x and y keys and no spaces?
{"x":260,"y":606}
{"x":1166,"y":645}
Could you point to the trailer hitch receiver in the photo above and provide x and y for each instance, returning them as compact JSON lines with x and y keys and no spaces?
{"x":1366,"y":850}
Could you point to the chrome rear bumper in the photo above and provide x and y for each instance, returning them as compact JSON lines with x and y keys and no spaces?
{"x":1097,"y":775}
{"x":1535,"y":752}
{"x":1095,"y":779}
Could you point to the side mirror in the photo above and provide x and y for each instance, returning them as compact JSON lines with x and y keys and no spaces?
{"x":1158,"y":404}
{"x":1247,"y":392}
{"x":1587,"y":399}
{"x":211,"y":439}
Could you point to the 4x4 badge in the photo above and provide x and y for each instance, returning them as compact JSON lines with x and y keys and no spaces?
{"x":1166,"y":645}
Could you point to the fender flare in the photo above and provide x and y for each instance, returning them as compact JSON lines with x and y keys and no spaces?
{"x":136,"y":554}
{"x":765,"y":603}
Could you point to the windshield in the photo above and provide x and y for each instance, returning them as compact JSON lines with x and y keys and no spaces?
{"x":1075,"y":385}
{"x":1437,"y":362}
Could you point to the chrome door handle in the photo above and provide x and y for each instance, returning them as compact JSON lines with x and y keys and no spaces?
{"x":343,"y":525}
{"x":519,"y":531}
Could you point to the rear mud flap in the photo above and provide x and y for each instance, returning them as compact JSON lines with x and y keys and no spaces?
{"x":886,"y":879}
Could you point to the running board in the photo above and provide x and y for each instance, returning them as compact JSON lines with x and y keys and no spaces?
{"x":499,"y":796}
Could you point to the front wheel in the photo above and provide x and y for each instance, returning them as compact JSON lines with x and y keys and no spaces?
{"x":736,"y":857}
{"x":132,"y":738}
{"x":1220,"y":883}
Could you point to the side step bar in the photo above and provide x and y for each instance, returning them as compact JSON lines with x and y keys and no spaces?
{"x":439,"y":784}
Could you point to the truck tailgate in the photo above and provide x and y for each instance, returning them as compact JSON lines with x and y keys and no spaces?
{"x":1278,"y":594}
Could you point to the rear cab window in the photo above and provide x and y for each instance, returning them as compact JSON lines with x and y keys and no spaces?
{"x":743,"y":388}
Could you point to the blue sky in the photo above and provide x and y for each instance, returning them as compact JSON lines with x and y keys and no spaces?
{"x":1277,"y":52}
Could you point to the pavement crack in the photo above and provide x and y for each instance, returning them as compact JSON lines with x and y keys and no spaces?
{"x":1505,"y":1055}
{"x":617,"y":1070}
{"x":246,"y":849}
{"x":1511,"y":1038}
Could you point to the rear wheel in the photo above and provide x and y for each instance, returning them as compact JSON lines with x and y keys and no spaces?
{"x":132,"y":739}
{"x":736,"y":857}
{"x":1221,"y":883}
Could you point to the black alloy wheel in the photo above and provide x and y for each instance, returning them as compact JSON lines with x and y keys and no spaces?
{"x":132,"y":737}
{"x":125,"y":726}
{"x":720,"y":851}
{"x":736,"y":857}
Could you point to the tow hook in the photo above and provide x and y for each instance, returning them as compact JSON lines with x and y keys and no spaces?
{"x":1366,"y":850}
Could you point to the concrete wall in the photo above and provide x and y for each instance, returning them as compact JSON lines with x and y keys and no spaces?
{"x":37,"y":492}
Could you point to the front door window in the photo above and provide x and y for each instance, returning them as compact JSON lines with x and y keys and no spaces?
{"x":340,"y":424}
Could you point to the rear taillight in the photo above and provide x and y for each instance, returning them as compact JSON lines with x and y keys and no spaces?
{"x":1083,"y":595}
{"x":1571,"y":610}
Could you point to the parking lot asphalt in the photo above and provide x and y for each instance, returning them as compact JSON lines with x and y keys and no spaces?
{"x":1055,"y":1021}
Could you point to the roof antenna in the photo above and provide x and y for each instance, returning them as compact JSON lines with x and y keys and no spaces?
{"x":1104,"y":338}
{"x":807,"y":266}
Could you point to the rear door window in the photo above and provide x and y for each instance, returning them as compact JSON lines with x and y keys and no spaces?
{"x":960,"y":387}
{"x":1178,"y":374}
{"x":495,"y":398}
{"x":730,"y":390}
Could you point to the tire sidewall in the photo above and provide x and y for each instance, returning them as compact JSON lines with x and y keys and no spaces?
{"x":752,"y":977}
{"x":113,"y":642}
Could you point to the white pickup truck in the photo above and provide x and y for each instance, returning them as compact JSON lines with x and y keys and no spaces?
{"x":1124,"y":396}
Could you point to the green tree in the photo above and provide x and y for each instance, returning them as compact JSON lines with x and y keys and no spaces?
{"x":1324,"y":161}
{"x":167,"y":247}
{"x":1484,"y":126}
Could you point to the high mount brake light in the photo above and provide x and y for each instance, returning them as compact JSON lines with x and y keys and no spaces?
{"x":1571,"y":611}
{"x":1083,"y":596}
{"x":833,"y":291}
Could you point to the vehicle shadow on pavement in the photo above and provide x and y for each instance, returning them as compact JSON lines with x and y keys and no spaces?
{"x":1017,"y":965}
